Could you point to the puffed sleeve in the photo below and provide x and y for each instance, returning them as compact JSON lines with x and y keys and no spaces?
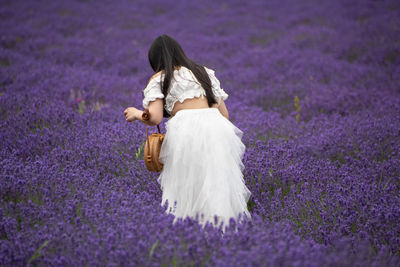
{"x":152,"y":92}
{"x":216,"y":86}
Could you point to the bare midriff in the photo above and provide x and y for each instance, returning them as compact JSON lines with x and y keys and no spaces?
{"x":191,"y":103}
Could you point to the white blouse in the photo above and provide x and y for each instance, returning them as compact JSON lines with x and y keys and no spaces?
{"x":183,"y":85}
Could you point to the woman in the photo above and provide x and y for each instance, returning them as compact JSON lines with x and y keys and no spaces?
{"x":202,"y":150}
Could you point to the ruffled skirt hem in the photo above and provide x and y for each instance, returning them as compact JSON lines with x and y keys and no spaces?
{"x":202,"y":155}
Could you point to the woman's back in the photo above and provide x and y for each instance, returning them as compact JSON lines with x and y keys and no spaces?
{"x":185,"y":91}
{"x":191,"y":103}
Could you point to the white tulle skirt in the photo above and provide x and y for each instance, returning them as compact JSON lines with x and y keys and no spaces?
{"x":202,"y":175}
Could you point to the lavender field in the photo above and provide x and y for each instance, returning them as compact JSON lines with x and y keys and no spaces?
{"x":314,"y":86}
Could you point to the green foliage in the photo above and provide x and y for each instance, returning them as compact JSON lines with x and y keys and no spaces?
{"x":82,"y":107}
{"x":79,"y":210}
{"x":139,"y":153}
{"x":250,"y":205}
{"x":152,"y":249}
{"x":297,"y":107}
{"x":4,"y":62}
{"x":37,"y":252}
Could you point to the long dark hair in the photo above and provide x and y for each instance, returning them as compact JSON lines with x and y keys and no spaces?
{"x":165,"y":53}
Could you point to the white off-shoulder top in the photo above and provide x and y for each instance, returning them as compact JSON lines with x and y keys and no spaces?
{"x":183,"y":85}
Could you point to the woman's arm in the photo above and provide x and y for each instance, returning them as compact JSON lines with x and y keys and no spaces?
{"x":156,"y":112}
{"x":155,"y":109}
{"x":222,"y":108}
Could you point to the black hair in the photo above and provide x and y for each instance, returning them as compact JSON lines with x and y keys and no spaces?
{"x":165,"y":54}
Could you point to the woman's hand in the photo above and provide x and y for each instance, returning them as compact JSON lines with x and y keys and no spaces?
{"x":132,"y":114}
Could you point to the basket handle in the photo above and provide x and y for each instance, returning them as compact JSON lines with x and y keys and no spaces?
{"x":146,"y":117}
{"x":147,"y":130}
